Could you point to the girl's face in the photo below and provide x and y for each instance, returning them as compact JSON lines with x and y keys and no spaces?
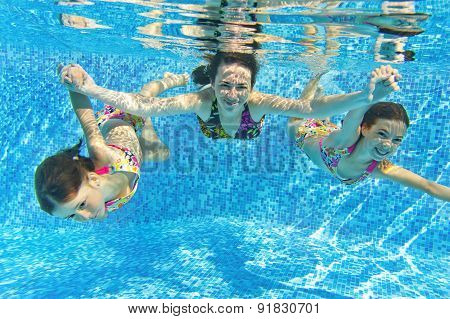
{"x":232,"y":87}
{"x":383,"y":138}
{"x":89,"y":203}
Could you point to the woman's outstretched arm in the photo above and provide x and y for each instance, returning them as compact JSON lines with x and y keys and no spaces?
{"x":78,"y":80}
{"x":382,"y":82}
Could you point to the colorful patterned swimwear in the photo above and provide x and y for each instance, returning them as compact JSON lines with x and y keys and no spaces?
{"x":110,"y":112}
{"x":248,"y":129}
{"x":330,"y":156}
{"x":127,"y":162}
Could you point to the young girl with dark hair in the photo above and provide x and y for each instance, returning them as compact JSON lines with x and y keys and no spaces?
{"x":358,"y":150}
{"x":69,"y":185}
{"x":230,"y":108}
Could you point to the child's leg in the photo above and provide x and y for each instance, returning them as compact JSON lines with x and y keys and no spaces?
{"x":312,"y":91}
{"x":170,"y":80}
{"x":152,"y":147}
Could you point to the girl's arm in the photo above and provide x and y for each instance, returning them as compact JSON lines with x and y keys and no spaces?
{"x":410,"y":179}
{"x":379,"y":86}
{"x":99,"y":152}
{"x":350,"y":131}
{"x":78,"y":80}
{"x":351,"y":127}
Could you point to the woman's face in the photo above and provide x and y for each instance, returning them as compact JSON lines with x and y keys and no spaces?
{"x":89,"y":203}
{"x":232,"y":87}
{"x":383,"y":138}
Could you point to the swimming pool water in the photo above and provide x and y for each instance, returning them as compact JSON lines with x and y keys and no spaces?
{"x":226,"y":219}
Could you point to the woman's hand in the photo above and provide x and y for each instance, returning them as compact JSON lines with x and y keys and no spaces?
{"x":383,"y":81}
{"x":76,"y":79}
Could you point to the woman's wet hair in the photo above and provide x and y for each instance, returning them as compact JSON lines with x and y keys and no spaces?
{"x":387,"y":111}
{"x":59,"y":177}
{"x":204,"y":74}
{"x":200,"y":75}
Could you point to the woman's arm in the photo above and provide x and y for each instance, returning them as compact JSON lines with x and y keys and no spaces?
{"x":76,"y":79}
{"x":380,"y":85}
{"x":410,"y":179}
{"x":350,"y":131}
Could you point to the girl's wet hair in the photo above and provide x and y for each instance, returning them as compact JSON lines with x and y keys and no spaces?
{"x":203,"y":74}
{"x":59,"y":177}
{"x":387,"y":111}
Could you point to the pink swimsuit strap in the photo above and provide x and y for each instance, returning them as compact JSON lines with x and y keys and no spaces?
{"x":331,"y":160}
{"x":372,"y":165}
{"x":104,"y":170}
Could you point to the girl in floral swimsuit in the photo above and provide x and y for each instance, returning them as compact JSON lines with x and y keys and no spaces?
{"x":360,"y":148}
{"x":72,"y":186}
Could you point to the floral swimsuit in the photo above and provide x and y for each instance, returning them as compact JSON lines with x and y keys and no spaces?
{"x":330,"y":156}
{"x":128,"y":161}
{"x":248,"y":129}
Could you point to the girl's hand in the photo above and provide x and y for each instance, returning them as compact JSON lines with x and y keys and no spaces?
{"x":383,"y":81}
{"x":76,"y":79}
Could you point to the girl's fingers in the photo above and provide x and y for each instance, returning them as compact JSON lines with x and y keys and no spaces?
{"x":390,"y":79}
{"x":395,"y":86}
{"x":67,"y":80}
{"x":389,"y":69}
{"x":64,"y":75}
{"x":379,"y":73}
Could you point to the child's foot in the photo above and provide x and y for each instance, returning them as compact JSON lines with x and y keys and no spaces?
{"x":310,"y":90}
{"x":152,"y":147}
{"x":319,"y":92}
{"x":170,"y":80}
{"x":154,"y":151}
{"x":174,"y":80}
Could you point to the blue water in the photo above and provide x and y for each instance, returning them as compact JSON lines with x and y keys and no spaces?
{"x":219,"y":219}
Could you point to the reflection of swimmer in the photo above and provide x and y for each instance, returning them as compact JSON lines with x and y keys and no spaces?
{"x":145,"y":3}
{"x":79,"y":22}
{"x":73,"y":2}
{"x":72,"y":186}
{"x":392,"y":27}
{"x":230,"y":108}
{"x":153,"y":29}
{"x":219,"y":28}
{"x":392,"y":50}
{"x":360,"y":148}
{"x":390,"y":45}
{"x":404,"y":25}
